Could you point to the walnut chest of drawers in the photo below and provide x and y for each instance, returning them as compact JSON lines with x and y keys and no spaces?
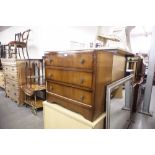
{"x":77,"y":80}
{"x":14,"y":74}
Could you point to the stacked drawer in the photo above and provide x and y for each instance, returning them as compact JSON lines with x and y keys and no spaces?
{"x":2,"y":84}
{"x":77,"y":79}
{"x":14,"y":72}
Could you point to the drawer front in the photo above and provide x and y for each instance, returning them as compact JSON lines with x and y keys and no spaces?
{"x":12,"y":92}
{"x":8,"y":92}
{"x":71,"y":93}
{"x":12,"y":76}
{"x":1,"y":75}
{"x":10,"y":69}
{"x":2,"y":85}
{"x":75,"y":60}
{"x":13,"y":69}
{"x":2,"y":78}
{"x":15,"y":95}
{"x":6,"y":68}
{"x":72,"y":77}
{"x":12,"y":84}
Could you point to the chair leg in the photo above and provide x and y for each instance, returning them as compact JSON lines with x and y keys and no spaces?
{"x":27,"y":53}
{"x":15,"y":51}
{"x":19,"y":52}
{"x":23,"y":53}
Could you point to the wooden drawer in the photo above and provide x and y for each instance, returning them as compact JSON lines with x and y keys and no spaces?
{"x":12,"y":76}
{"x":15,"y":95}
{"x":2,"y":85}
{"x":6,"y":68}
{"x":69,"y":92}
{"x":10,"y":69}
{"x":79,"y":60}
{"x":13,"y":69}
{"x":8,"y":91}
{"x":1,"y":75}
{"x":13,"y":92}
{"x":72,"y":77}
{"x":1,"y":78}
{"x":12,"y":84}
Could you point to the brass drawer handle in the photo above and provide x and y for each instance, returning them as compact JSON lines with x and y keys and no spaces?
{"x":46,"y":61}
{"x":13,"y":77}
{"x":51,"y":75}
{"x":13,"y":85}
{"x":82,"y":98}
{"x":15,"y":94}
{"x":82,"y":61}
{"x":51,"y":60}
{"x":51,"y":88}
{"x":81,"y":81}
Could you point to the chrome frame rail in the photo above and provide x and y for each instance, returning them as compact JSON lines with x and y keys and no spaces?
{"x":110,"y":88}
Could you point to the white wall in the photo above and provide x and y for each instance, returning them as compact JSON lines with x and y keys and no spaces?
{"x":140,"y":41}
{"x":48,"y":38}
{"x":141,"y":44}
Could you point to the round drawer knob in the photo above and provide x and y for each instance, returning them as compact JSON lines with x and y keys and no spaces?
{"x":51,"y":88}
{"x":51,"y":61}
{"x":82,"y":61}
{"x":81,"y":81}
{"x":51,"y":75}
{"x":81,"y":98}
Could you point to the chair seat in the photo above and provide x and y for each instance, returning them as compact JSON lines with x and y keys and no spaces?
{"x":17,"y":44}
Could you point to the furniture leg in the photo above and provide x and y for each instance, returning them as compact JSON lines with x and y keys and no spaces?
{"x":19,"y":53}
{"x":27,"y":53}
{"x":23,"y":53}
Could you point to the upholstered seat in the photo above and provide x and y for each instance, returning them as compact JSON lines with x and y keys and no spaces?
{"x":18,"y":44}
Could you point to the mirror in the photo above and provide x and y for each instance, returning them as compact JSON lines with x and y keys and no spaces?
{"x":119,"y":113}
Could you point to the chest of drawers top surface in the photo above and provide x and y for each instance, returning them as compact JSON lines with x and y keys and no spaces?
{"x":77,"y":80}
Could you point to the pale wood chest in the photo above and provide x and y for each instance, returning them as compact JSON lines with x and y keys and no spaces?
{"x":77,"y":80}
{"x":15,"y":77}
{"x":2,"y":84}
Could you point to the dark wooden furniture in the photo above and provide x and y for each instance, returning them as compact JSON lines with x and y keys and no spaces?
{"x":3,"y":51}
{"x":77,"y":80}
{"x":135,"y":64}
{"x":19,"y":44}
